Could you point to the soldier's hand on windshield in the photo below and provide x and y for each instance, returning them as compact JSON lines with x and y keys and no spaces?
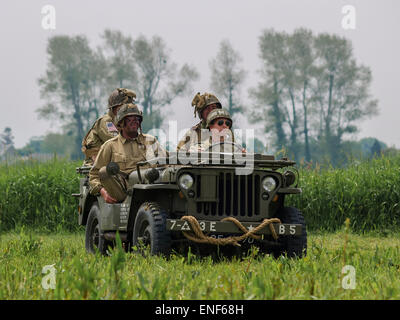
{"x":106,"y":196}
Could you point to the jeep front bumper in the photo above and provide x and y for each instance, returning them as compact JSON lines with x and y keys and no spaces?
{"x":221,"y":227}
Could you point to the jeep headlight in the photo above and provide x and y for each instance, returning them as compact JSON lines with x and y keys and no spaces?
{"x":185,"y":181}
{"x":269,"y":184}
{"x":290,"y":178}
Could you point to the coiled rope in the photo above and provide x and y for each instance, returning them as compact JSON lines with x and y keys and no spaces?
{"x":198,"y":236}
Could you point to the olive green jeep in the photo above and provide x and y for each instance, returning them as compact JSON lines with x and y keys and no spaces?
{"x":206,"y":200}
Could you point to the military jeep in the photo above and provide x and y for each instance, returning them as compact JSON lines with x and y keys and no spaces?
{"x":206,"y":200}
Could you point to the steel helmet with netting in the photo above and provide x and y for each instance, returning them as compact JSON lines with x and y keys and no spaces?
{"x":121,"y":96}
{"x":126,"y":110}
{"x":218,"y":113}
{"x":200,"y":102}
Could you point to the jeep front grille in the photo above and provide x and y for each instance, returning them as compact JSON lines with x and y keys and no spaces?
{"x":237,"y":196}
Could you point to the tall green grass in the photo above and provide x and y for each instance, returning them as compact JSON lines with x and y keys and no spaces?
{"x":368,"y":193}
{"x":38,"y":195}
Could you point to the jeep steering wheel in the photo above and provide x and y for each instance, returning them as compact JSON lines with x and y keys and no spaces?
{"x":233,"y":147}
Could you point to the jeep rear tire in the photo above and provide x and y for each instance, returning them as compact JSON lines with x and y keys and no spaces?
{"x":150,"y":229}
{"x":292,"y":246}
{"x":93,"y":238}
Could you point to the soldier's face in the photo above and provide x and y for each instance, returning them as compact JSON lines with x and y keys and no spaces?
{"x":131,"y":124}
{"x":221,"y":124}
{"x":207,"y":110}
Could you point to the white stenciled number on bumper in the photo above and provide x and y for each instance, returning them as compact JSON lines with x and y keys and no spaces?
{"x":185,"y":226}
{"x":212,"y":226}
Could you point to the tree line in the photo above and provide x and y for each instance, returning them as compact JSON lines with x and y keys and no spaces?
{"x":311,"y":92}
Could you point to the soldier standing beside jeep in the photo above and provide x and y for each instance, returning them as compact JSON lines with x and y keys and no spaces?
{"x":127,"y":149}
{"x":104,"y":127}
{"x":203,"y":105}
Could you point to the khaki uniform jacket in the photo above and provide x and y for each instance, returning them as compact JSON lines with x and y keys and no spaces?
{"x":192,"y":137}
{"x":127,"y":153}
{"x":102,"y":130}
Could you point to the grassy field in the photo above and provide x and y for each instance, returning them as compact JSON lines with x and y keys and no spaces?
{"x":376,"y":263}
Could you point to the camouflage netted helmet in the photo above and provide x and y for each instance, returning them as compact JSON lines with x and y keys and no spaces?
{"x":126,"y":110}
{"x":121,"y":96}
{"x":217,"y":113}
{"x":199,"y":102}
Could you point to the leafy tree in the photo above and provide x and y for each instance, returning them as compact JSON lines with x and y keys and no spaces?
{"x":284,"y":95}
{"x":51,"y":143}
{"x":227,"y":76}
{"x":33,"y":146}
{"x":367,"y":144}
{"x":7,"y":138}
{"x":6,"y":142}
{"x":303,"y":55}
{"x":311,"y":89}
{"x":341,"y":91}
{"x":376,"y":149}
{"x":118,"y":51}
{"x":56,"y":143}
{"x":159,"y":79}
{"x":71,"y":85}
{"x":267,"y":95}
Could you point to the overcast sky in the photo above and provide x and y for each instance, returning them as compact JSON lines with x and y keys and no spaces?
{"x":193,"y":31}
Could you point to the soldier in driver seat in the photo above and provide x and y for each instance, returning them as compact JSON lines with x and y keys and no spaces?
{"x":219,"y":124}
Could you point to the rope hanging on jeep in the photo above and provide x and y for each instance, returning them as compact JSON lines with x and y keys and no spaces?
{"x":199,"y":237}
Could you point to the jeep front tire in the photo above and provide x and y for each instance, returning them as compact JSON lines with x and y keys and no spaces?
{"x":150,"y":229}
{"x":292,"y":246}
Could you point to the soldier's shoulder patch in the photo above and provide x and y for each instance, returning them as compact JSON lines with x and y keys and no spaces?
{"x":111,"y":127}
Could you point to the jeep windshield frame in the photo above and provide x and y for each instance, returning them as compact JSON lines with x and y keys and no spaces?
{"x":222,"y":158}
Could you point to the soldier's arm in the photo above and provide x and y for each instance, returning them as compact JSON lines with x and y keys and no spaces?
{"x":160,"y":151}
{"x":190,"y":139}
{"x":104,"y":134}
{"x":186,"y":142}
{"x":182,"y":143}
{"x":92,"y":144}
{"x":103,"y":158}
{"x":154,"y":148}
